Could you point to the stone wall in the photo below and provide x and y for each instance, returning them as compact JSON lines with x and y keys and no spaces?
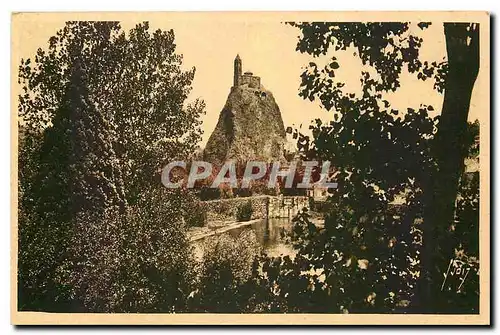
{"x":262,"y":207}
{"x":250,"y":80}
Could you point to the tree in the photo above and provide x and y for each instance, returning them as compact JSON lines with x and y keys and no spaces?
{"x":101,"y":112}
{"x":380,"y":154}
{"x":462,"y":45}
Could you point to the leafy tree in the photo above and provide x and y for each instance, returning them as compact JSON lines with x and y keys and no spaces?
{"x":101,"y":112}
{"x":381,"y":154}
{"x":137,"y":261}
{"x":366,"y":258}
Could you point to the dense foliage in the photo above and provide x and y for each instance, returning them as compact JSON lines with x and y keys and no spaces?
{"x":101,"y":111}
{"x":374,"y":256}
{"x":223,"y":283}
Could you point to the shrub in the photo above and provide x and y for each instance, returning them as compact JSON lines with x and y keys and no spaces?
{"x":195,"y":214}
{"x":242,"y":192}
{"x":311,"y":203}
{"x":245,"y":211}
{"x":208,"y":193}
{"x":226,"y":269}
{"x":137,"y":260}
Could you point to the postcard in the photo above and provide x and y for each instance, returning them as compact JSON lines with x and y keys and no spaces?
{"x":285,"y":168}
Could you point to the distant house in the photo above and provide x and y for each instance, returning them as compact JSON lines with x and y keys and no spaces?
{"x":317,"y":192}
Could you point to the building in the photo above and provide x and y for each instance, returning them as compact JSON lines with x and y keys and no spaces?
{"x":246,"y":78}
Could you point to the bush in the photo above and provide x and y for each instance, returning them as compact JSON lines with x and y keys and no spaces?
{"x":208,"y":193}
{"x":135,"y":261}
{"x":311,"y":202}
{"x":242,"y":192}
{"x":226,"y":270}
{"x":245,"y":212}
{"x":196,"y":214}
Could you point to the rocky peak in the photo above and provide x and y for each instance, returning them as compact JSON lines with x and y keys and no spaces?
{"x":250,"y":125}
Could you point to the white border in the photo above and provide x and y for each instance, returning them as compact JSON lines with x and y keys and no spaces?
{"x":148,"y":5}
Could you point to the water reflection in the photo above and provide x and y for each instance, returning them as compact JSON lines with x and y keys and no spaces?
{"x":271,"y":235}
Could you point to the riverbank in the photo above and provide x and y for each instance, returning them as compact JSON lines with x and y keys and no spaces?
{"x":216,"y":228}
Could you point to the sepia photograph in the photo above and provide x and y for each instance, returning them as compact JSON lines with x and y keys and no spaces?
{"x":250,"y":168}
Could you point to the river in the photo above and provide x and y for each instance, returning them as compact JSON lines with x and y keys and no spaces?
{"x":271,"y":235}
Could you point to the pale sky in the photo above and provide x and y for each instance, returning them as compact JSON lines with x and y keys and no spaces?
{"x":267,"y":48}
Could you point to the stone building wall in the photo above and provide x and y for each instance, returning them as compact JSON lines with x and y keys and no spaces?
{"x":250,"y":80}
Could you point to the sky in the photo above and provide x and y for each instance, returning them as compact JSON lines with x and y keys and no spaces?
{"x":267,"y":48}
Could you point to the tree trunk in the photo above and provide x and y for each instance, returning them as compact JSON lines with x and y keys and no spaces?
{"x":462,"y":45}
